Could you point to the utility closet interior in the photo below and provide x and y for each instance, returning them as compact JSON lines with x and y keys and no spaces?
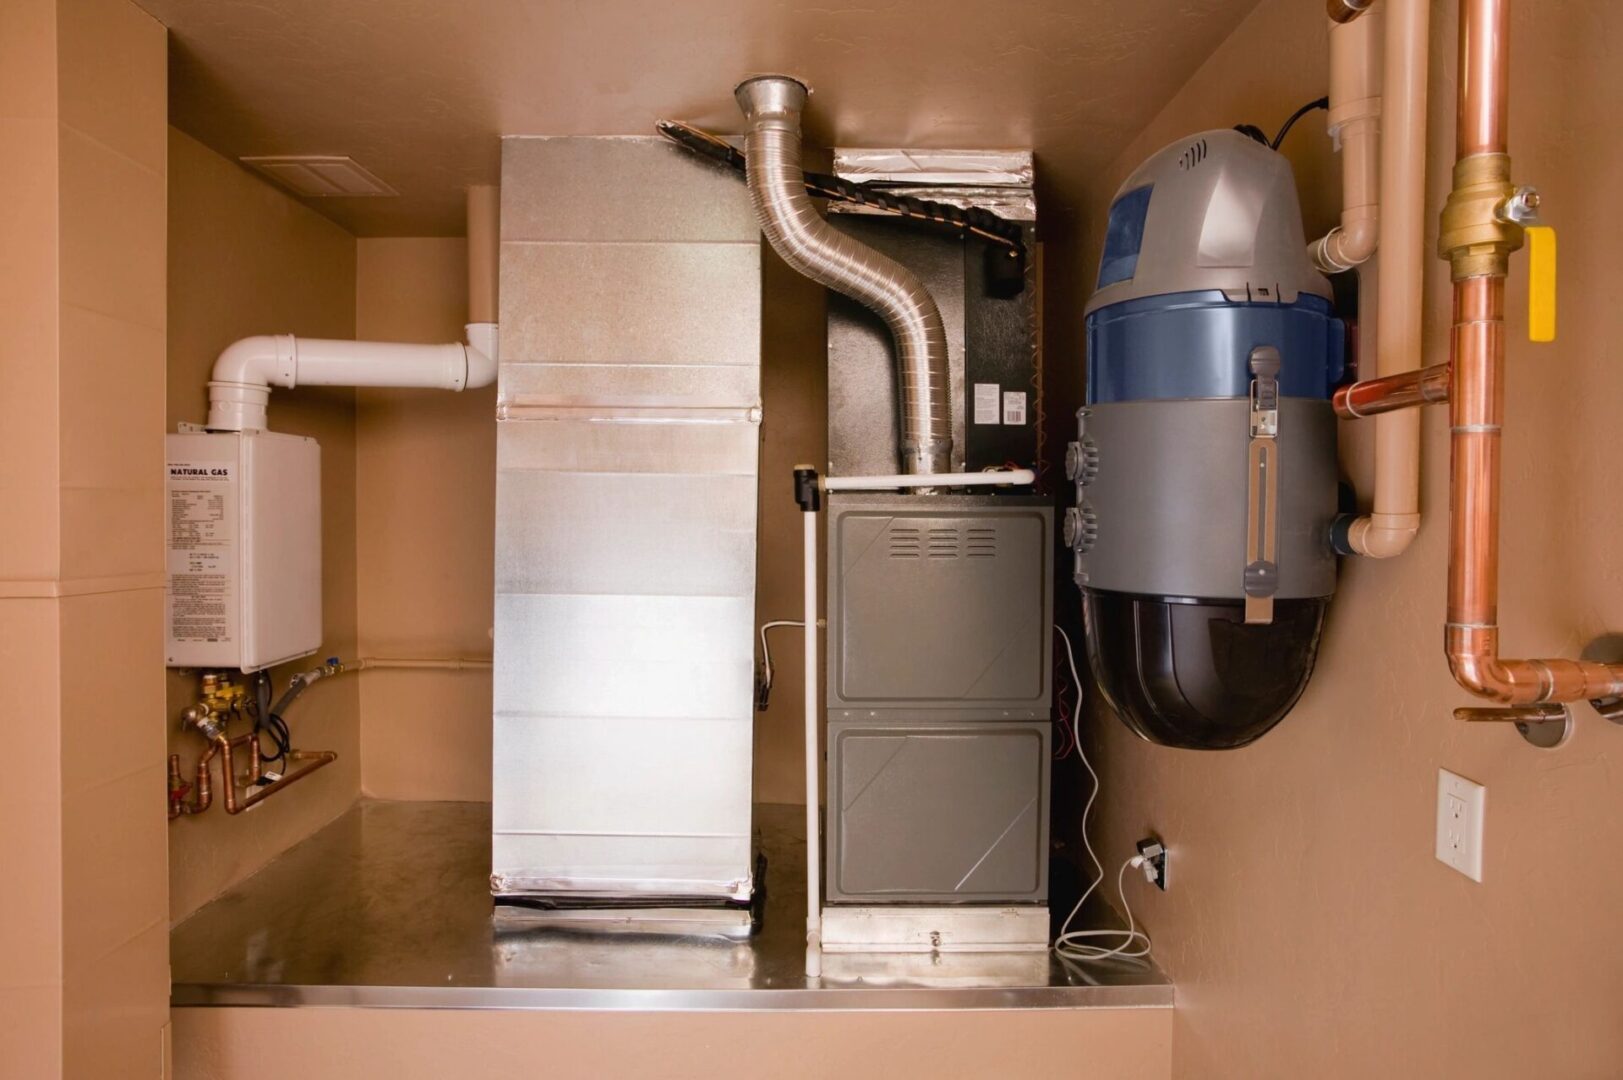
{"x":765,"y":539}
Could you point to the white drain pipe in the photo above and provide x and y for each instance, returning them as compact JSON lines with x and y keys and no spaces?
{"x":814,"y":846}
{"x":239,"y":389}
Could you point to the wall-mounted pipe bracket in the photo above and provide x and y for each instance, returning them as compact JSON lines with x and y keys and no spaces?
{"x":1607,"y":649}
{"x":1543,"y":726}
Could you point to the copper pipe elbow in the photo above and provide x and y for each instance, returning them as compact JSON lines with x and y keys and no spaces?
{"x":1482,"y":675}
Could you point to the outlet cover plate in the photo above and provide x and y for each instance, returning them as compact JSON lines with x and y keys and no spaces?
{"x":1461,"y":806}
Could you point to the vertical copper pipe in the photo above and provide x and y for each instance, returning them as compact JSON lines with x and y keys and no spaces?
{"x":176,"y":793}
{"x":1484,"y":77}
{"x":202,"y":791}
{"x":1476,"y":412}
{"x":1477,"y":401}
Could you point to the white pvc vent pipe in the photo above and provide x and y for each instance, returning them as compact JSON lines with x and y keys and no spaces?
{"x":239,"y":388}
{"x":244,"y":373}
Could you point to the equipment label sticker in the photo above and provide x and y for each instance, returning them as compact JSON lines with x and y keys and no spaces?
{"x":202,"y":536}
{"x":986,"y":402}
{"x":1014,"y":407}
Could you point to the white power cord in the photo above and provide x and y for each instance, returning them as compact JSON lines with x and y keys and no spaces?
{"x":766,"y":651}
{"x":1070,"y":944}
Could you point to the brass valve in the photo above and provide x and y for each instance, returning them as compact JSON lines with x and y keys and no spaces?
{"x":1484,"y":217}
{"x":220,"y":694}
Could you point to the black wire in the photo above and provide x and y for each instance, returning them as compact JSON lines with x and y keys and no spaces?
{"x":1320,"y":103}
{"x":997,"y":228}
{"x":266,"y":720}
{"x":1252,"y":131}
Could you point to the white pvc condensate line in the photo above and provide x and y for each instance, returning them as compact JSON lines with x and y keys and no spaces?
{"x":814,"y":884}
{"x":1004,"y":478}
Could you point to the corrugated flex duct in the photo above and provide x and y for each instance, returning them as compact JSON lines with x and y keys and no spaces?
{"x":797,"y":232}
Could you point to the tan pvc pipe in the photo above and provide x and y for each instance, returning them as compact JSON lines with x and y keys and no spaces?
{"x":484,"y":252}
{"x":1355,"y":120}
{"x":1395,"y":517}
{"x":375,"y":663}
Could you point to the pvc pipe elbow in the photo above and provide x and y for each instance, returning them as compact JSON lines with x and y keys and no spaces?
{"x":1382,"y":536}
{"x":265,"y":359}
{"x":1349,"y":244}
{"x":484,"y":353}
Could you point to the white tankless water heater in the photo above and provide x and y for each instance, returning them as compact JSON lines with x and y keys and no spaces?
{"x":244,"y":557}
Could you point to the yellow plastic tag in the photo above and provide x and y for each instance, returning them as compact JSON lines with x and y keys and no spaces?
{"x":1541,"y":283}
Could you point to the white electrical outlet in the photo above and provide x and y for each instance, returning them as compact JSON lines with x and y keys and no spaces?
{"x":1461,"y":805}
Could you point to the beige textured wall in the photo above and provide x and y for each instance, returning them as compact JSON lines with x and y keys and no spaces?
{"x":794,"y":430}
{"x":83,"y":927}
{"x":246,"y":259}
{"x":1309,"y":929}
{"x":417,"y":1044}
{"x":425,"y":529}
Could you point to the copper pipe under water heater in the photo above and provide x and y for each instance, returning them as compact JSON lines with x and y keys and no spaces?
{"x":222,"y":746}
{"x":1479,"y":231}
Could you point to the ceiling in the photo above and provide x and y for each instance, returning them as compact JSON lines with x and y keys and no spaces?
{"x":418,"y":90}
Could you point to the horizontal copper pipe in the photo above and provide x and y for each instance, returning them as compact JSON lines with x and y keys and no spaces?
{"x":1404,"y":390}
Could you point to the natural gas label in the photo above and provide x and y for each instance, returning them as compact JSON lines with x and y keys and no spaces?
{"x":1014,"y":407}
{"x":212,"y":473}
{"x":202,"y":542}
{"x":986,"y":401}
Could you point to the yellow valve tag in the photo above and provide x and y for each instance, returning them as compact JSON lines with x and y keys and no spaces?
{"x":1541,"y":283}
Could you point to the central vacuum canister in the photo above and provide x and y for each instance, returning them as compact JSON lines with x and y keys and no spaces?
{"x":1205,"y":460}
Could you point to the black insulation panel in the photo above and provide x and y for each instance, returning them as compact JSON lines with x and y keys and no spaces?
{"x":992,"y":342}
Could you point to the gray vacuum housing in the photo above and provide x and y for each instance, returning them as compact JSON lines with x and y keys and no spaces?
{"x":1213,"y":346}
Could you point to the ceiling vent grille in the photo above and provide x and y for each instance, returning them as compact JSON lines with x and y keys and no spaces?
{"x":317,"y":176}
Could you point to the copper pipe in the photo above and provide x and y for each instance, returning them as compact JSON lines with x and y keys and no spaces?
{"x":1484,"y":77}
{"x":261,"y":792}
{"x":1520,"y":714}
{"x":1406,"y":389}
{"x":226,"y":748}
{"x":177,"y":792}
{"x":202,"y":789}
{"x":1477,"y":405}
{"x":1345,"y":11}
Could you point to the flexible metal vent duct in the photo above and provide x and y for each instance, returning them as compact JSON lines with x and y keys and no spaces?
{"x":797,"y":232}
